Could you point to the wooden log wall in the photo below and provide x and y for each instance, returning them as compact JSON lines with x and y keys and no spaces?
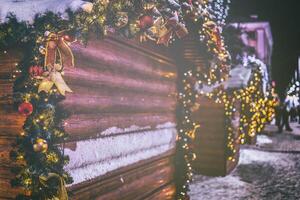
{"x":211,"y":140}
{"x":122,"y":113}
{"x":121,"y":122}
{"x":10,"y":122}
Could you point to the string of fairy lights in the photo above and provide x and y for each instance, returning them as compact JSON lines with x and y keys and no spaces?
{"x":211,"y":34}
{"x":187,"y":129}
{"x":256,"y":110}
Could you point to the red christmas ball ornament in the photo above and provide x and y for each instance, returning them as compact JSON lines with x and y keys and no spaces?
{"x":36,"y":71}
{"x":145,"y":21}
{"x":25,"y":108}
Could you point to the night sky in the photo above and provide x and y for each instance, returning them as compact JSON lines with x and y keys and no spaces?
{"x":284,"y":17}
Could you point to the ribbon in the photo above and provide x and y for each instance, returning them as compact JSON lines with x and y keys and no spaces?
{"x":54,"y":78}
{"x":62,"y":193}
{"x":192,"y":133}
{"x":173,"y":26}
{"x":57,"y":44}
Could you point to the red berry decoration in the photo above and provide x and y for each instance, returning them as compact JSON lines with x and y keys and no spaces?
{"x":25,"y":108}
{"x":36,"y":71}
{"x":145,"y":22}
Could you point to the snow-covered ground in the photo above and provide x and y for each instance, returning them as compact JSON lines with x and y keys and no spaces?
{"x":260,"y":175}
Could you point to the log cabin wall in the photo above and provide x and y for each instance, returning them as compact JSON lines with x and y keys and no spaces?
{"x":122,"y":116}
{"x":211,"y":139}
{"x":121,"y":122}
{"x":10,"y":122}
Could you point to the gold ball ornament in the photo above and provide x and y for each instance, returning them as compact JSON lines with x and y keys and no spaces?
{"x":40,"y":145}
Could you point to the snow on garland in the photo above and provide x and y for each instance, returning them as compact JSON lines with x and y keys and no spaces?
{"x":40,"y":86}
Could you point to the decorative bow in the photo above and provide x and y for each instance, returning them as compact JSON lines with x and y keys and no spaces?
{"x":54,"y":78}
{"x":56,"y":45}
{"x":62,"y":193}
{"x":172,"y":26}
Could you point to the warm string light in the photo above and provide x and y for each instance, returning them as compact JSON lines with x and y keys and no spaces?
{"x":209,"y":33}
{"x":256,"y":111}
{"x":220,"y":10}
{"x":219,"y":95}
{"x":186,"y":133}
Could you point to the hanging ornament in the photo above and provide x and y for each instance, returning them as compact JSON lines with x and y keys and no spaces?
{"x":122,"y":19}
{"x":40,"y":145}
{"x":36,"y":71}
{"x":25,"y":108}
{"x":145,"y":21}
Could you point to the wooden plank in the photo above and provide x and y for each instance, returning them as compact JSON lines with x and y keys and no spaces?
{"x":6,"y":191}
{"x":147,"y":48}
{"x":77,"y":76}
{"x":11,"y":123}
{"x":84,"y":126}
{"x":130,"y":182}
{"x":159,"y":73}
{"x":89,"y":100}
{"x":4,"y":155}
{"x":165,"y":193}
{"x":122,"y":57}
{"x":209,"y":171}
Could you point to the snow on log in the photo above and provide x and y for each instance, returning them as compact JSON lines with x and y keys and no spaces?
{"x":93,"y":158}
